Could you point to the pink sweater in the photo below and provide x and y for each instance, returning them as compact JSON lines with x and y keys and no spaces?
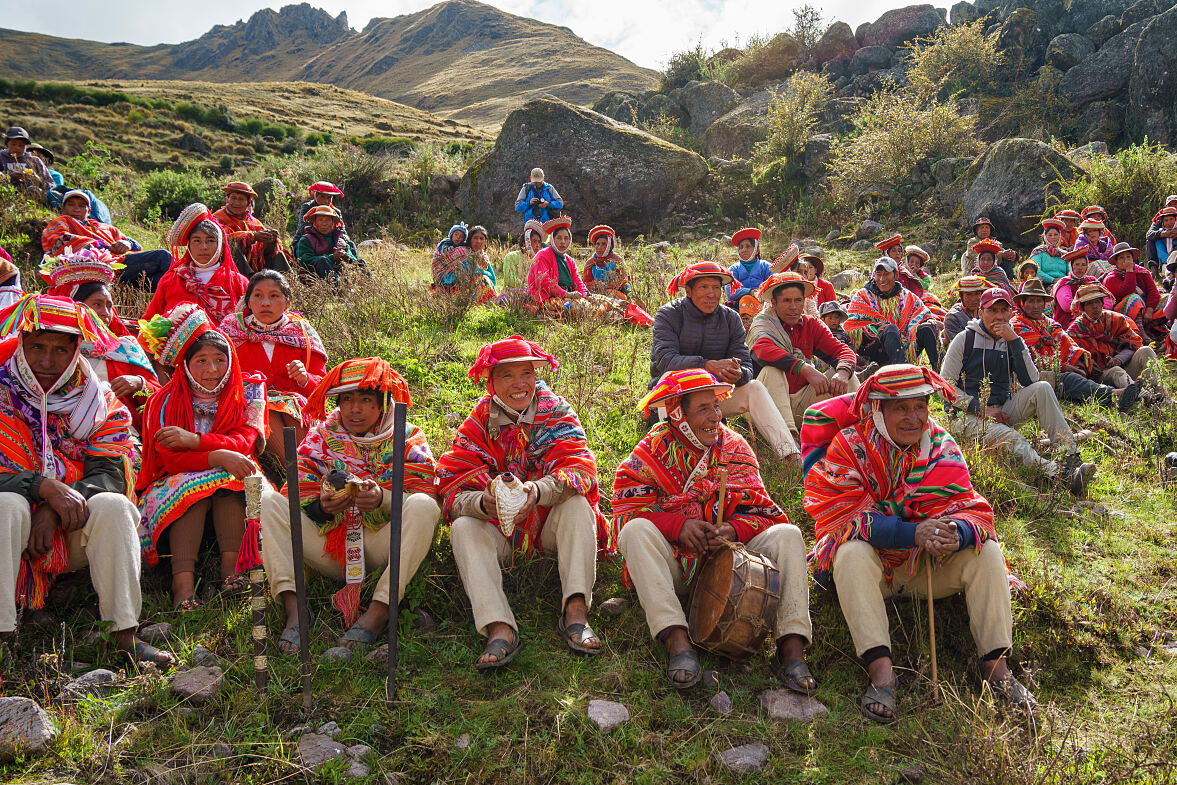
{"x":543,"y":280}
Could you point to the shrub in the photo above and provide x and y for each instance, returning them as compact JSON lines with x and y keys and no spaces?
{"x":954,"y":61}
{"x":316,"y":139}
{"x":894,"y":132}
{"x":808,"y":26}
{"x":667,"y":128}
{"x":164,"y":193}
{"x":251,"y":126}
{"x":1034,"y":108}
{"x":686,"y":66}
{"x":85,"y":168}
{"x":793,"y":114}
{"x":389,"y":145}
{"x":192,"y":112}
{"x":226,"y":162}
{"x":136,"y":116}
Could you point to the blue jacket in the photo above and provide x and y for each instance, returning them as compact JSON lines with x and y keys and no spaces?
{"x":748,"y":281}
{"x":543,"y":191}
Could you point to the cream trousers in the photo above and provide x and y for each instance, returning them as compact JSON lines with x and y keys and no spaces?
{"x":1120,"y":377}
{"x":419,"y":516}
{"x":1037,"y":401}
{"x":754,"y":400}
{"x":657,"y":575}
{"x":570,"y":532}
{"x":858,"y":574}
{"x":108,"y":543}
{"x":792,"y":406}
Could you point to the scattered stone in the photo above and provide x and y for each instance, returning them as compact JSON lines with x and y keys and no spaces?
{"x":356,"y":769}
{"x":867,"y":229}
{"x":913,"y":775}
{"x":614,"y":606}
{"x":453,"y":419}
{"x":749,"y":757}
{"x":785,"y":705}
{"x":463,"y":741}
{"x":155,"y":633}
{"x":861,"y":245}
{"x":1169,"y":650}
{"x":1140,"y":651}
{"x":607,"y":715}
{"x":710,"y":679}
{"x":378,"y":655}
{"x":336,"y":654}
{"x":424,"y":621}
{"x":199,"y":684}
{"x":365,"y":244}
{"x":203,"y":656}
{"x":315,"y":749}
{"x":832,"y":235}
{"x":358,"y":751}
{"x":403,"y":248}
{"x":722,"y":703}
{"x":1100,"y":510}
{"x":96,"y":682}
{"x":848,"y":279}
{"x":299,"y":730}
{"x":25,"y":728}
{"x":1092,"y":149}
{"x":331,"y":729}
{"x":664,"y":245}
{"x":222,"y":750}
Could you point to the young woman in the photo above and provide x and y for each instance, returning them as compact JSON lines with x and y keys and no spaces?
{"x":461,"y":265}
{"x":553,"y":281}
{"x":205,"y":274}
{"x":1098,"y":247}
{"x":324,"y":246}
{"x":86,"y":277}
{"x":1065,"y":288}
{"x":603,"y":273}
{"x":986,"y":267}
{"x":516,"y":264}
{"x":1134,"y":290}
{"x":281,"y":345}
{"x":892,"y":247}
{"x":201,"y":432}
{"x":1049,"y":255}
{"x":915,"y":278}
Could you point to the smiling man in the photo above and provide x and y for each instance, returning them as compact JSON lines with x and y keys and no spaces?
{"x":254,"y":245}
{"x":891,"y":324}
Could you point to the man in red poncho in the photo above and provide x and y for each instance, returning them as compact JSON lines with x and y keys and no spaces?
{"x":254,"y":245}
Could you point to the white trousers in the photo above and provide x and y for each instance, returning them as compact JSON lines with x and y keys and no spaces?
{"x":753,"y":399}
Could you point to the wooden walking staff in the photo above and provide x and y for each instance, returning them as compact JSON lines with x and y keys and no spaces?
{"x":394,"y":542}
{"x":257,"y":589}
{"x":932,"y":629}
{"x":300,"y":578}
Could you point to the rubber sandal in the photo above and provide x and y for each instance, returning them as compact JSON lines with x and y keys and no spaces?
{"x":884,"y":696}
{"x":292,"y":636}
{"x":502,"y":650}
{"x":790,"y":673}
{"x":573,"y":634}
{"x":358,"y":634}
{"x":688,"y":662}
{"x":235,"y":584}
{"x":1011,"y":692}
{"x":145,"y":652}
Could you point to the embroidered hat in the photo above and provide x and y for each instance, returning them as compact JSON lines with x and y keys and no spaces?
{"x":35,"y":312}
{"x":1077,"y":253}
{"x":69,"y":270}
{"x":238,"y":187}
{"x":1068,"y":215}
{"x":885,"y":263}
{"x":1091,"y":223}
{"x":1094,"y":209}
{"x":515,"y":349}
{"x":787,"y":259}
{"x":829,"y":307}
{"x":535,"y":225}
{"x":324,"y":187}
{"x":325,"y":209}
{"x":190,"y":218}
{"x":167,"y":338}
{"x":767,"y":290}
{"x":601,"y":230}
{"x":995,"y":295}
{"x":747,"y":233}
{"x":972,"y":283}
{"x":890,"y":242}
{"x":1053,"y":223}
{"x":367,"y":373}
{"x":1088,"y":292}
{"x":675,"y":384}
{"x":1168,"y":209}
{"x":899,"y":382}
{"x":987,"y":246}
{"x":699,"y":270}
{"x":917,"y":251}
{"x":563,"y":222}
{"x":1032,"y":288}
{"x":1120,"y":248}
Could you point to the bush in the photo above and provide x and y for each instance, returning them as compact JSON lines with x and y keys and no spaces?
{"x":686,"y":66}
{"x":793,"y":114}
{"x":163,"y":194}
{"x":667,"y":128}
{"x":765,"y":62}
{"x":251,"y":126}
{"x":1034,"y":108}
{"x":389,"y":145}
{"x":317,"y":139}
{"x":1131,"y":185}
{"x":87,"y":167}
{"x":136,"y":116}
{"x":955,"y":61}
{"x":894,"y":132}
{"x":808,"y":26}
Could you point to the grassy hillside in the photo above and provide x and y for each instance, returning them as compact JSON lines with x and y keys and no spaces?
{"x":460,"y":58}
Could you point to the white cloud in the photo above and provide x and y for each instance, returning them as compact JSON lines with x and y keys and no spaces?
{"x":645,"y":31}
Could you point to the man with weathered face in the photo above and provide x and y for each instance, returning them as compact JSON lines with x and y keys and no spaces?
{"x":254,"y":245}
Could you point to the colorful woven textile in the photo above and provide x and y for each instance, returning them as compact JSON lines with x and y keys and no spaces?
{"x":69,"y":270}
{"x":293,"y":330}
{"x":240,"y":230}
{"x":1049,"y":343}
{"x":869,"y":312}
{"x":553,"y":444}
{"x":1105,"y":336}
{"x":698,"y":270}
{"x":67,"y":233}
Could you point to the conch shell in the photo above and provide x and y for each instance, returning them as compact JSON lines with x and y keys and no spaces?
{"x":510,"y":494}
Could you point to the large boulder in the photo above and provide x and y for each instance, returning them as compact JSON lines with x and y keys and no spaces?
{"x":1068,"y":50}
{"x":589,"y":157}
{"x":1104,"y":29}
{"x":1083,"y":15}
{"x":1142,"y":11}
{"x":899,"y":25}
{"x":1104,"y":74}
{"x":963,"y":12}
{"x":25,"y":728}
{"x":1023,"y":40}
{"x":704,"y":103}
{"x":871,"y":58}
{"x":619,"y":105}
{"x":1011,"y":185}
{"x":1098,"y":121}
{"x":837,"y":45}
{"x":736,"y":134}
{"x":1152,"y":86}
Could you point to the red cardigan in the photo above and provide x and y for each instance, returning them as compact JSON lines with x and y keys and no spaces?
{"x":825,"y":291}
{"x":172,"y":291}
{"x":1122,"y":284}
{"x":253,"y":360}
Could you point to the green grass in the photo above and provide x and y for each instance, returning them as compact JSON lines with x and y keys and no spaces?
{"x":1089,"y":631}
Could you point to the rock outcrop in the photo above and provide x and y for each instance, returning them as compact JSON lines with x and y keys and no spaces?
{"x":1152,"y":86}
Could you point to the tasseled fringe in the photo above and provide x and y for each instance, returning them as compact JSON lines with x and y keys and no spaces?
{"x":347,"y":602}
{"x":33,"y":578}
{"x":249,"y":554}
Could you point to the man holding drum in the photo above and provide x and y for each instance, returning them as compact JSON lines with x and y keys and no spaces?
{"x":667,"y":501}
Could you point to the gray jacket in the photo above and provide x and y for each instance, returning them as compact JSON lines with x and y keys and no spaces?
{"x":975,"y":357}
{"x":685,"y":337}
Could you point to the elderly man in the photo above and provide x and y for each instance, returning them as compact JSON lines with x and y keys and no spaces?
{"x":1119,"y":356}
{"x":74,"y":230}
{"x":667,"y":509}
{"x":519,"y":476}
{"x":1060,"y":361}
{"x":254,"y":245}
{"x":989,"y":353}
{"x":968,"y":307}
{"x":538,"y":200}
{"x":892,"y":498}
{"x":696,"y":331}
{"x":322,"y":193}
{"x":65,"y":469}
{"x":891,"y":324}
{"x":25,"y":171}
{"x":783,"y":341}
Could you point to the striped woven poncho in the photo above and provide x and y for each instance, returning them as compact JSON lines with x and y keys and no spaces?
{"x":1106,"y":336}
{"x":664,"y":474}
{"x":863,"y":473}
{"x":552,"y":444}
{"x":869,"y":312}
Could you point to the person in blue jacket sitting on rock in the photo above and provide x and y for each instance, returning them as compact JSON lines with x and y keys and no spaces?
{"x":538,"y":200}
{"x":749,"y":272}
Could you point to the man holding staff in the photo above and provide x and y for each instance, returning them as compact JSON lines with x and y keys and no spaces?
{"x":345,"y":529}
{"x":667,"y":501}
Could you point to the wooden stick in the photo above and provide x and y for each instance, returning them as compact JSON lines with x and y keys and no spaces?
{"x":721,"y":501}
{"x":257,"y":589}
{"x":932,"y":628}
{"x":394,"y":544}
{"x":300,"y":578}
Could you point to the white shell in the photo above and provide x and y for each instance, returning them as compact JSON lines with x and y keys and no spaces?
{"x":510,"y":496}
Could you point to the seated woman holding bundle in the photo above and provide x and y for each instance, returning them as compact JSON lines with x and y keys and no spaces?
{"x":201,"y":432}
{"x":460,"y":268}
{"x":553,"y":282}
{"x":324,"y":246}
{"x":603,"y":273}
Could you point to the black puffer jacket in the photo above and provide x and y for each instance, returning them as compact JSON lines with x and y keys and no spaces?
{"x":685,"y":337}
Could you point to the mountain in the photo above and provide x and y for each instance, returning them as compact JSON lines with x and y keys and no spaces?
{"x":460,"y":59}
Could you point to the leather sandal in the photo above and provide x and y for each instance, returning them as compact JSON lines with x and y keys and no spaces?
{"x":145,"y":652}
{"x":575,"y":634}
{"x":684,"y":662}
{"x":357,"y":634}
{"x":502,"y":650}
{"x":1011,"y":692}
{"x":790,"y":674}
{"x":291,"y":637}
{"x":884,"y":696}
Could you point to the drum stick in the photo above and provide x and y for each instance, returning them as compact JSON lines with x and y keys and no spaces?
{"x":300,"y":578}
{"x":394,"y":543}
{"x":932,"y":628}
{"x":257,"y":595}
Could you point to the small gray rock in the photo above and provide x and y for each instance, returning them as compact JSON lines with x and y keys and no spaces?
{"x":222,"y":750}
{"x":96,"y":682}
{"x":847,"y":279}
{"x":366,"y":244}
{"x":378,"y":655}
{"x":832,"y":235}
{"x":203,"y":656}
{"x":913,"y":775}
{"x":315,"y":749}
{"x":356,"y":769}
{"x":722,"y":703}
{"x":463,"y":741}
{"x":861,"y":245}
{"x":614,"y":606}
{"x":867,"y":228}
{"x":336,"y":654}
{"x":331,"y":729}
{"x":403,"y":248}
{"x":607,"y":715}
{"x":749,"y":757}
{"x":358,"y":751}
{"x":785,"y":705}
{"x":25,"y":728}
{"x":199,"y":684}
{"x":155,"y":633}
{"x":1100,"y":510}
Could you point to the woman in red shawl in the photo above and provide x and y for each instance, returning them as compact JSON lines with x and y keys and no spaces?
{"x":86,"y":276}
{"x":891,"y":498}
{"x":666,"y":499}
{"x":201,"y":432}
{"x":519,"y":476}
{"x":281,"y":345}
{"x":205,"y":274}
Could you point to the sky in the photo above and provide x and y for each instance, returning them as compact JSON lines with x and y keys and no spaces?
{"x":645,"y":31}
